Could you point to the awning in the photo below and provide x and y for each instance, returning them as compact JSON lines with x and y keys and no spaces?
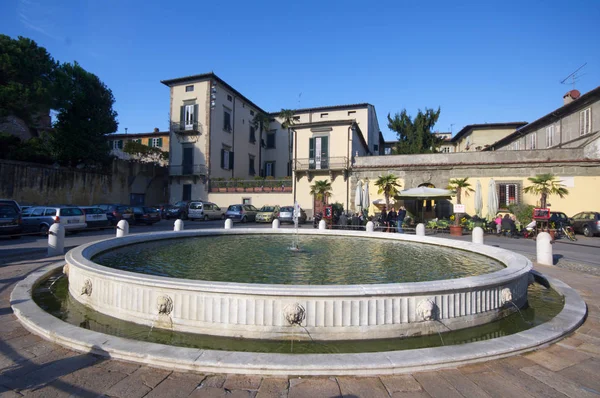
{"x":425,"y":193}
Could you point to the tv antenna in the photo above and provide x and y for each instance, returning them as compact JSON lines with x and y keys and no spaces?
{"x":573,"y":77}
{"x":299,"y":97}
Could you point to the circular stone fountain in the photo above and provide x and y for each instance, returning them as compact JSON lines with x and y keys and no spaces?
{"x":329,"y":312}
{"x":275,"y":311}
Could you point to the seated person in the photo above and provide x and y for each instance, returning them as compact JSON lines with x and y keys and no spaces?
{"x":508,"y":224}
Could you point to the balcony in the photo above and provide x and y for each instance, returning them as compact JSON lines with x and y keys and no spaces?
{"x":187,"y":170}
{"x":326,"y":164}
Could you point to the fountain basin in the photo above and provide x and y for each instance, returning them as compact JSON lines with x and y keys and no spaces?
{"x":264,"y":311}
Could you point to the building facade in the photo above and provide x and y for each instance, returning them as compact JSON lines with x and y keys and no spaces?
{"x":156,"y":139}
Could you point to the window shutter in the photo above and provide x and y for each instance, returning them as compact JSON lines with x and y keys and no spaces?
{"x":160,"y":142}
{"x":149,"y":141}
{"x":182,"y":118}
{"x":311,"y":148}
{"x":120,"y":144}
{"x":324,"y":148}
{"x":230,"y":160}
{"x":222,"y":158}
{"x":196,"y":117}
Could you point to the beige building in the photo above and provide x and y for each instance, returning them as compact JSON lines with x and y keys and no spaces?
{"x":156,"y":139}
{"x":477,"y":137}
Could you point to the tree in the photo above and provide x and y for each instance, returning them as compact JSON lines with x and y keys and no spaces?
{"x":321,"y":189}
{"x":388,"y":186}
{"x":459,"y":185}
{"x":85,"y":117}
{"x":145,"y":153}
{"x":546,"y":185}
{"x":287,"y":117}
{"x":27,"y":78}
{"x":415,"y":135}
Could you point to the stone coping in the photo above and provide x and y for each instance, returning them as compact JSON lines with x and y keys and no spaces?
{"x":515,"y":264}
{"x":209,"y":361}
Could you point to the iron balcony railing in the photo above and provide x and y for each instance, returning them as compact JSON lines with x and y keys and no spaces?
{"x":188,"y":170}
{"x":257,"y":183}
{"x":331,"y":163}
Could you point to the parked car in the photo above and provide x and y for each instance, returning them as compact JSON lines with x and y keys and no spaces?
{"x":587,"y":223}
{"x":267,"y":213}
{"x":145,"y":215}
{"x":116,"y":212}
{"x":10,"y":221}
{"x":241,"y":212}
{"x":163,"y":209}
{"x":179,"y":210}
{"x":12,"y":203}
{"x":95,"y":217}
{"x":198,"y":210}
{"x":559,"y":219}
{"x":40,"y":218}
{"x":286,"y":214}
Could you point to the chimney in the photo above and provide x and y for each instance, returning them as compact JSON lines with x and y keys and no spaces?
{"x":156,"y":130}
{"x":571,"y":96}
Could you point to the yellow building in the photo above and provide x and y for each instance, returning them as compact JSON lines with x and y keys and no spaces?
{"x":156,"y":139}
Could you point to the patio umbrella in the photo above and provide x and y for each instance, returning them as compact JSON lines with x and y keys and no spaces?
{"x":366,"y":200}
{"x":492,"y":200}
{"x":358,"y":197}
{"x":478,"y":199}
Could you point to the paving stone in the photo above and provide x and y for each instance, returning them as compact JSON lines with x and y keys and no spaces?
{"x":242,"y":382}
{"x":558,"y":382}
{"x":474,"y":368}
{"x":370,"y":387}
{"x":497,"y":386}
{"x":585,"y":373}
{"x":273,"y":387}
{"x":411,"y":394}
{"x":436,"y":386}
{"x":591,"y":349}
{"x":42,"y":348}
{"x":570,"y":342}
{"x":139,"y":383}
{"x":214,"y":392}
{"x":214,"y":381}
{"x":7,"y":393}
{"x":22,"y":342}
{"x":558,"y":359}
{"x":10,"y":358}
{"x":176,"y":385}
{"x":400,"y":383}
{"x":313,"y":387}
{"x":510,"y":369}
{"x":462,"y":384}
{"x":118,"y":366}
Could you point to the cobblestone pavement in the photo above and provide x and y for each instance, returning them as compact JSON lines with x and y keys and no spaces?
{"x":31,"y":366}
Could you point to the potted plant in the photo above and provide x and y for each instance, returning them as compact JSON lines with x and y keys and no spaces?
{"x":287,"y":185}
{"x":268,"y":187}
{"x":231,"y":186}
{"x":219,"y":184}
{"x":259,"y":183}
{"x":459,"y":185}
{"x":240,"y":186}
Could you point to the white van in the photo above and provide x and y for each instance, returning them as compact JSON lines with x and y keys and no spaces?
{"x":205,"y":211}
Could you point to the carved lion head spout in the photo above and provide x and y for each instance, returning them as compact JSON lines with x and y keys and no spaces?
{"x":426,"y":310}
{"x":164,"y":305}
{"x":294,"y":314}
{"x":506,"y":296}
{"x":86,"y":288}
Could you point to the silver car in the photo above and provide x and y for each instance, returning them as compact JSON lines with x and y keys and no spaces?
{"x":199,"y":210}
{"x":41,"y":218}
{"x":286,"y":214}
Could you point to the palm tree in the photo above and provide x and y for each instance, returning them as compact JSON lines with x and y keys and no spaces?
{"x":388,"y":186}
{"x":546,"y":185}
{"x":261,"y":122}
{"x":287,"y":121}
{"x":459,"y":185}
{"x":321,"y":189}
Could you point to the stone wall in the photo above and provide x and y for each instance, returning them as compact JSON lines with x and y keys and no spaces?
{"x":32,"y":183}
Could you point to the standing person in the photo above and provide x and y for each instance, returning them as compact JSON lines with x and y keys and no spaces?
{"x":391,"y":219}
{"x":401,"y":217}
{"x":384,"y":218}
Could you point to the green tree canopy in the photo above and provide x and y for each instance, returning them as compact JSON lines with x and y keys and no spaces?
{"x":415,"y":135}
{"x":388,"y":186}
{"x":546,"y":185}
{"x":85,"y":117}
{"x":145,"y":153}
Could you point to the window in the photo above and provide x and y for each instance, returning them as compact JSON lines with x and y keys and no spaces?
{"x":226,"y":158}
{"x":585,"y":121}
{"x":388,"y":151}
{"x":508,"y":194}
{"x":139,"y":140}
{"x":156,"y":142}
{"x":229,"y":98}
{"x":443,"y":150}
{"x":227,"y":120}
{"x":251,"y":169}
{"x":324,"y":115}
{"x":296,"y":118}
{"x":550,"y":141}
{"x":189,"y":88}
{"x":187,"y":192}
{"x":246,"y":201}
{"x":533,"y":141}
{"x":318,"y":153}
{"x":119,"y":144}
{"x":271,"y":140}
{"x":376,"y":148}
{"x":251,"y":113}
{"x":252,"y":134}
{"x":189,"y":117}
{"x":269,"y":169}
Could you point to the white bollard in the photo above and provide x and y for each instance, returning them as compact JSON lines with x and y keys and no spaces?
{"x":420,"y":229}
{"x":122,"y":228}
{"x":178,"y":226}
{"x":228,"y":223}
{"x":56,"y":240}
{"x":275,"y":224}
{"x":478,"y":235}
{"x":322,"y":224}
{"x":370,"y":226}
{"x":543,"y":247}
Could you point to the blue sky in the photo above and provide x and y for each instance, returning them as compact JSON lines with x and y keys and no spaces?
{"x":481,"y":62}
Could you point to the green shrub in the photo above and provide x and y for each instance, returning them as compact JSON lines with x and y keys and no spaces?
{"x":523,"y":212}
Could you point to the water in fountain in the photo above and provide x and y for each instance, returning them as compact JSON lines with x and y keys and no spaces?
{"x":295,"y":216}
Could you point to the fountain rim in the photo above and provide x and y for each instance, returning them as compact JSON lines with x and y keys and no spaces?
{"x":515,"y":264}
{"x":51,"y":328}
